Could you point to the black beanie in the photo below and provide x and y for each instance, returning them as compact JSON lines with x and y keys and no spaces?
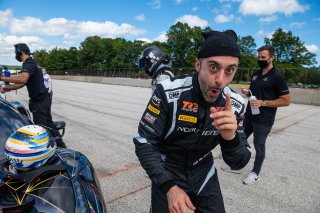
{"x":219,"y":44}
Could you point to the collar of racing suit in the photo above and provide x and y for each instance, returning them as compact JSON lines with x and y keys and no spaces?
{"x":160,"y":69}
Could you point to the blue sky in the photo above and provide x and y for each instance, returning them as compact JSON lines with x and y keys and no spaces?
{"x":46,"y":24}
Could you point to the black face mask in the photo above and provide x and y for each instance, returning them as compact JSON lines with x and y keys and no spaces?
{"x":18,"y":57}
{"x":263,"y":63}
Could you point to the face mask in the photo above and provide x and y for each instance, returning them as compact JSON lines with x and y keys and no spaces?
{"x":18,"y":57}
{"x":263,"y":63}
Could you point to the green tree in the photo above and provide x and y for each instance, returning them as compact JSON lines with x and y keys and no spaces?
{"x":184,"y":43}
{"x":248,"y":47}
{"x":180,"y":43}
{"x":93,"y":52}
{"x":290,"y":49}
{"x":56,"y":59}
{"x":72,"y":58}
{"x":248,"y":52}
{"x":122,"y":58}
{"x":41,"y":57}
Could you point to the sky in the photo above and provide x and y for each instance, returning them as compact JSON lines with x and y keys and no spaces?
{"x":47,"y":24}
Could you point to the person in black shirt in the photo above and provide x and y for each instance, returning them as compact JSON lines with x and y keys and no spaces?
{"x":271,"y":90}
{"x":32,"y":77}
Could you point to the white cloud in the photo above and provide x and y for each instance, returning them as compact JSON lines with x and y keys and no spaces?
{"x":62,"y":26}
{"x":194,"y":9}
{"x":192,"y":21}
{"x":313,"y":48}
{"x":108,"y":29}
{"x":155,"y":4}
{"x":140,"y":17}
{"x":8,"y":41}
{"x":220,"y":19}
{"x":264,"y":34}
{"x":162,"y":37}
{"x":5,"y":15}
{"x":7,"y":49}
{"x":29,"y":30}
{"x":297,"y":24}
{"x":34,"y":26}
{"x":268,"y":19}
{"x":269,"y":7}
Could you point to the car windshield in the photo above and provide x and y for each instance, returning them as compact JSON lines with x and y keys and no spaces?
{"x":10,"y":120}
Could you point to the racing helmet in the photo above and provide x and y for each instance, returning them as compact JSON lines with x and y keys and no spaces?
{"x":29,"y":147}
{"x":150,"y":59}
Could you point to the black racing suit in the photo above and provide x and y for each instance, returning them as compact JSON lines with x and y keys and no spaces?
{"x":174,"y":142}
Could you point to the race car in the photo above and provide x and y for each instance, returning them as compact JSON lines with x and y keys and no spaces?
{"x":65,"y":182}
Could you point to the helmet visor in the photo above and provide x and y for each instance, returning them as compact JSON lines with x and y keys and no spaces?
{"x":141,"y":62}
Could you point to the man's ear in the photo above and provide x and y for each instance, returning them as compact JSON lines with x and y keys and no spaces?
{"x":272,"y":58}
{"x":197,"y":65}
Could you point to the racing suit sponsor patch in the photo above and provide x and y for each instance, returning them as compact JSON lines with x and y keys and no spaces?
{"x":174,"y":94}
{"x":190,"y":106}
{"x":210,"y":132}
{"x":188,"y":129}
{"x":150,"y":118}
{"x":236,"y":105}
{"x":153,"y":109}
{"x":156,"y":101}
{"x":147,"y":126}
{"x":187,"y":118}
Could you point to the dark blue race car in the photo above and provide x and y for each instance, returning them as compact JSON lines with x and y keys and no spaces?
{"x":65,"y":183}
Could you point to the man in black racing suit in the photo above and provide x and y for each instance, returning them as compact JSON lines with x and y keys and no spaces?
{"x":156,"y":65}
{"x":185,"y":119}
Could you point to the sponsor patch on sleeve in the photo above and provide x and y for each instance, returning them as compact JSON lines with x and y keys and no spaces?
{"x":156,"y":101}
{"x":150,"y":118}
{"x":187,"y":118}
{"x":153,"y":109}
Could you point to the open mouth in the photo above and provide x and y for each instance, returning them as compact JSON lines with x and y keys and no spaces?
{"x":214,"y":92}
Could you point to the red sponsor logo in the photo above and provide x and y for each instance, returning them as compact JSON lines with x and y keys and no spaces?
{"x":190,"y":106}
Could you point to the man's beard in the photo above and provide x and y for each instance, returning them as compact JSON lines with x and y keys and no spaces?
{"x":206,"y":90}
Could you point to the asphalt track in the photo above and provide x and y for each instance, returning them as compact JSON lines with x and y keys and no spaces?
{"x":102,"y":119}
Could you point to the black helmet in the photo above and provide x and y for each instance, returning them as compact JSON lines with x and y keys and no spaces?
{"x":150,"y":59}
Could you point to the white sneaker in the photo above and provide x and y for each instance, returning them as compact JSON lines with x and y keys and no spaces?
{"x":252,"y":178}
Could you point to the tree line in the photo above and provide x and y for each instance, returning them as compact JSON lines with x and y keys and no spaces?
{"x":182,"y":46}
